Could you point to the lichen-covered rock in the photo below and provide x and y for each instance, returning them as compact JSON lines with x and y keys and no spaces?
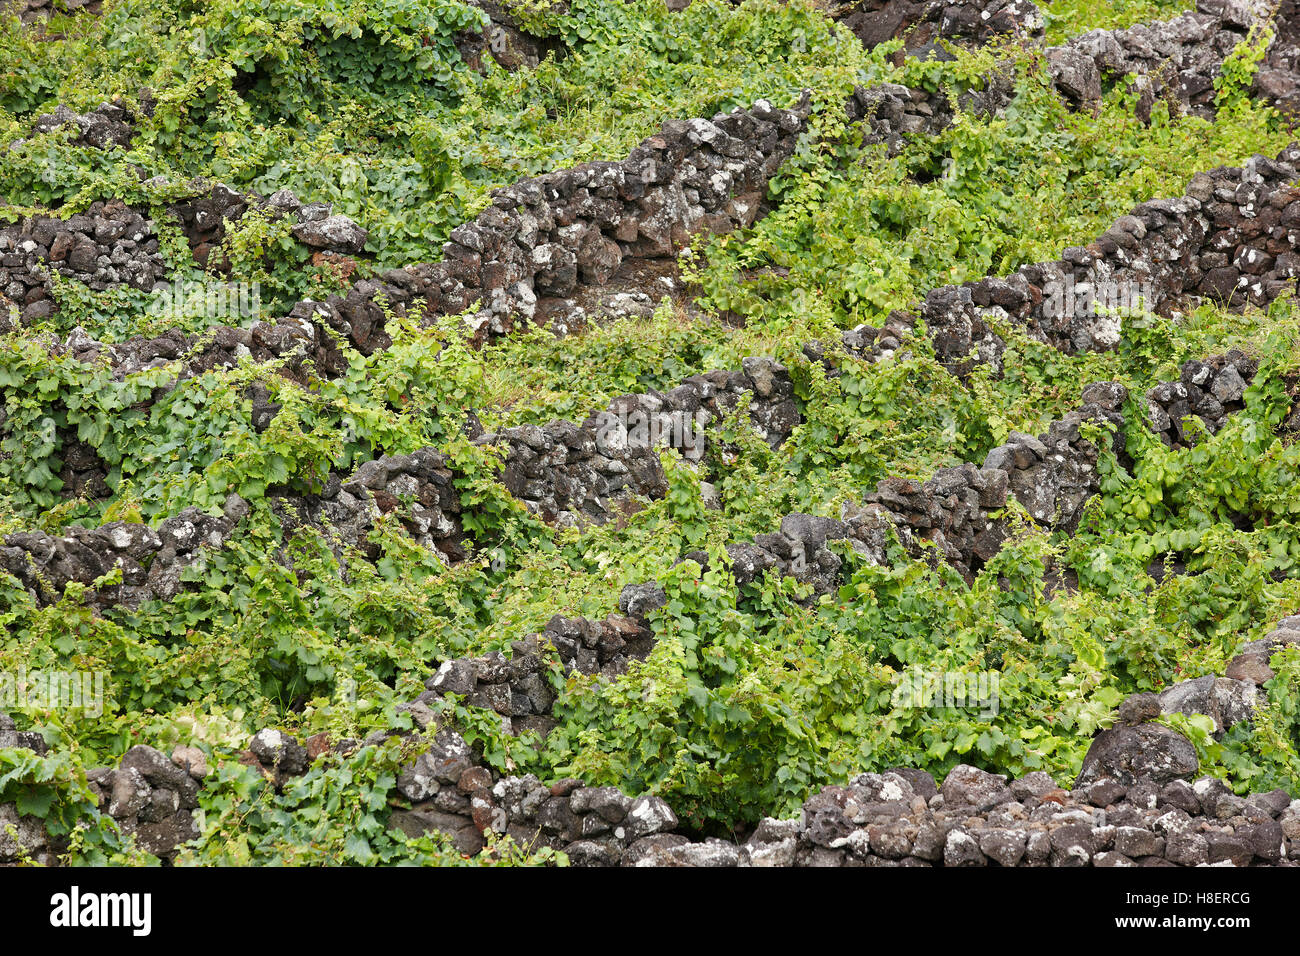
{"x":151,"y":560}
{"x":107,"y":125}
{"x":921,"y":23}
{"x":978,"y":789}
{"x":1176,"y":60}
{"x":34,"y":11}
{"x":1225,"y":700}
{"x":1210,"y":392}
{"x":506,"y":40}
{"x":23,"y":838}
{"x":336,"y":233}
{"x":279,"y":753}
{"x":151,"y":797}
{"x":1147,"y":751}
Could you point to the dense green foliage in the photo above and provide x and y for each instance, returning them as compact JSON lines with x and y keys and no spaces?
{"x":1068,"y":18}
{"x":748,"y":701}
{"x":369,"y":106}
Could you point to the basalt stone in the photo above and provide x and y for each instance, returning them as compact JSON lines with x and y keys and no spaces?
{"x":1228,"y":847}
{"x":106,"y":126}
{"x":1179,"y":794}
{"x":921,"y":23}
{"x":1137,"y":842}
{"x":1128,"y":754}
{"x":160,"y":771}
{"x":921,"y":782}
{"x":1104,"y":792}
{"x":1036,"y":784}
{"x":638,"y":601}
{"x":1225,"y":700}
{"x":279,"y":751}
{"x":970,"y":786}
{"x":1139,"y":708}
{"x":335,"y":233}
{"x":962,"y":849}
{"x":647,"y":847}
{"x":1004,"y":847}
{"x":465,"y":837}
{"x":1265,"y":840}
{"x":648,"y":815}
{"x":1072,"y":845}
{"x":712,"y":853}
{"x":163,"y":838}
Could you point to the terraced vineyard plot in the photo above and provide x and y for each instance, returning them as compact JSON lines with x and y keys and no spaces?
{"x":747,"y":435}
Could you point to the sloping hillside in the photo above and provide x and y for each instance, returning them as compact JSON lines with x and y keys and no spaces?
{"x":628,"y":433}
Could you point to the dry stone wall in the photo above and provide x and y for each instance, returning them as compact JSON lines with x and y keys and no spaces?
{"x":151,"y":560}
{"x":152,"y":797}
{"x":112,"y":244}
{"x":1136,"y":802}
{"x":106,"y":126}
{"x":695,"y":175}
{"x":548,"y":238}
{"x":975,"y":818}
{"x":1208,"y":391}
{"x":1278,"y":77}
{"x":33,"y":11}
{"x":542,"y":238}
{"x":1231,"y":238}
{"x":543,"y":241}
{"x":571,"y":473}
{"x":504,"y":39}
{"x":1176,"y":60}
{"x":417,"y":487}
{"x":921,"y":23}
{"x":957,"y":513}
{"x":109,"y":244}
{"x":1052,"y":476}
